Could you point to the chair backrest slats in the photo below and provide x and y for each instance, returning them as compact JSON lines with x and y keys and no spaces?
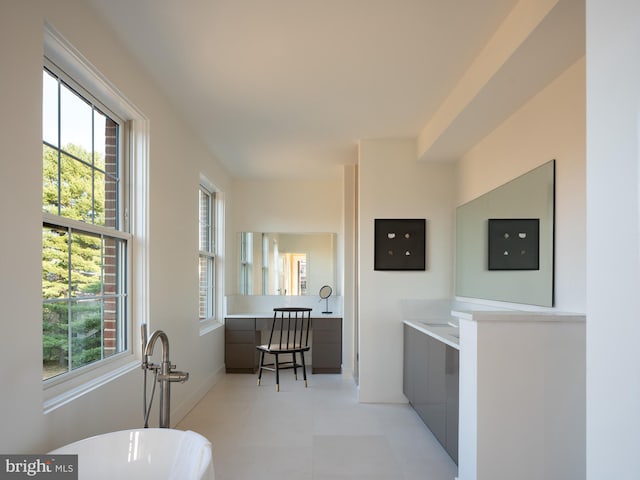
{"x":290,"y":327}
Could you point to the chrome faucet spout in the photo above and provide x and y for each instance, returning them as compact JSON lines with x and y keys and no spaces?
{"x":151,"y":343}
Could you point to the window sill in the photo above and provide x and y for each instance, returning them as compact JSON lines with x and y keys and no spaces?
{"x":66,"y":390}
{"x":209,"y":325}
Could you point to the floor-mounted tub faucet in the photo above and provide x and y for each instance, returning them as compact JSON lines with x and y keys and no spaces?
{"x":164,"y":378}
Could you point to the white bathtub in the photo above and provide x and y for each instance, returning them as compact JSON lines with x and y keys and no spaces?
{"x":148,"y":453}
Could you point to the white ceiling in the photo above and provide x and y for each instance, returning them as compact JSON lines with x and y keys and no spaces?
{"x":286,"y":88}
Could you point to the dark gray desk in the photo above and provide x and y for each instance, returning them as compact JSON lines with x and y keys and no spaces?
{"x":243,"y":332}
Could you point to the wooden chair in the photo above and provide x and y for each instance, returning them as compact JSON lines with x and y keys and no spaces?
{"x":289,"y":335}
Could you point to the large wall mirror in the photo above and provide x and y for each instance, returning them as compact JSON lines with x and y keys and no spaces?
{"x":285,"y":263}
{"x":509,"y":258}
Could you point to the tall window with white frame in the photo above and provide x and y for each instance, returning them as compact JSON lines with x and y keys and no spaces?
{"x":85,"y":232}
{"x":246,"y":263}
{"x":265,"y":264}
{"x":207,"y":255}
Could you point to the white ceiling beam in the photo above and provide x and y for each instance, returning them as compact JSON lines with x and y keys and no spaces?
{"x":536,"y":42}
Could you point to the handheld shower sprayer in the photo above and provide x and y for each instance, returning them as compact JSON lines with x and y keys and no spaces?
{"x":146,"y":408}
{"x":143,"y":341}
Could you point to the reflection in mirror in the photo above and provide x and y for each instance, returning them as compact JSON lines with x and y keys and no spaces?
{"x":285,"y":263}
{"x":528,"y":198}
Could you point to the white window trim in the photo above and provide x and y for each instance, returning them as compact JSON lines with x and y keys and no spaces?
{"x":209,"y":253}
{"x":60,"y":391}
{"x":246,"y":263}
{"x":215,"y":321}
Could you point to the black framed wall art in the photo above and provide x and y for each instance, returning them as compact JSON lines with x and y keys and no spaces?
{"x":400,"y":244}
{"x":514,"y":244}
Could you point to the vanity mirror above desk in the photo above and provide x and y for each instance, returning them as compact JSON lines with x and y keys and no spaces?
{"x":289,"y":264}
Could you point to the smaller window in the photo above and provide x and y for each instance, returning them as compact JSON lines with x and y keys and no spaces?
{"x":246,"y":263}
{"x":207,"y":256}
{"x":265,"y":264}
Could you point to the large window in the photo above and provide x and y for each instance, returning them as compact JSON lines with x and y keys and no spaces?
{"x":85,"y":231}
{"x":207,"y":257}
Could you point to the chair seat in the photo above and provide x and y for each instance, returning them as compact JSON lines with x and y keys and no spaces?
{"x":284,"y":348}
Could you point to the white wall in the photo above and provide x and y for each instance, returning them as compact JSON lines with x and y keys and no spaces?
{"x":286,"y":206}
{"x":550,"y":126}
{"x":176,"y":160}
{"x":393,"y":185}
{"x":613,"y":273}
{"x":522,"y":405}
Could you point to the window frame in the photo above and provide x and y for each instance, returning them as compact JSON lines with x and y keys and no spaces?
{"x":68,"y":61}
{"x":265,"y":264}
{"x":246,"y":263}
{"x":209,"y":254}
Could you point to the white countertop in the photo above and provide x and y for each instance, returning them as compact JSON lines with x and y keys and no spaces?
{"x":314,"y":314}
{"x":445,"y":332}
{"x":447,"y":329}
{"x":517,"y":316}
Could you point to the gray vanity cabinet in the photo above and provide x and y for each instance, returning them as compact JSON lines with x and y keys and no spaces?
{"x":452,"y":375}
{"x":241,"y":338}
{"x":430,"y":382}
{"x":326,"y":342}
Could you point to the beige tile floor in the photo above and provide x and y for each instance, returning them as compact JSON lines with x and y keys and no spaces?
{"x":319,"y":433}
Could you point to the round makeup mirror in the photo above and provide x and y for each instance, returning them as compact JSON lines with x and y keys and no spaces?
{"x":325,"y":293}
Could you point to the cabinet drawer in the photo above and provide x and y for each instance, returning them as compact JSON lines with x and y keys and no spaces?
{"x":240,"y":336}
{"x":326,"y":324}
{"x":241,"y":358}
{"x":326,"y":355}
{"x":326,"y":336}
{"x":240,"y":323}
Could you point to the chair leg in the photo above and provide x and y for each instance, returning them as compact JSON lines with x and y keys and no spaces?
{"x":295,"y":366}
{"x":277,"y":374}
{"x":304,"y":370}
{"x":260,"y":368}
